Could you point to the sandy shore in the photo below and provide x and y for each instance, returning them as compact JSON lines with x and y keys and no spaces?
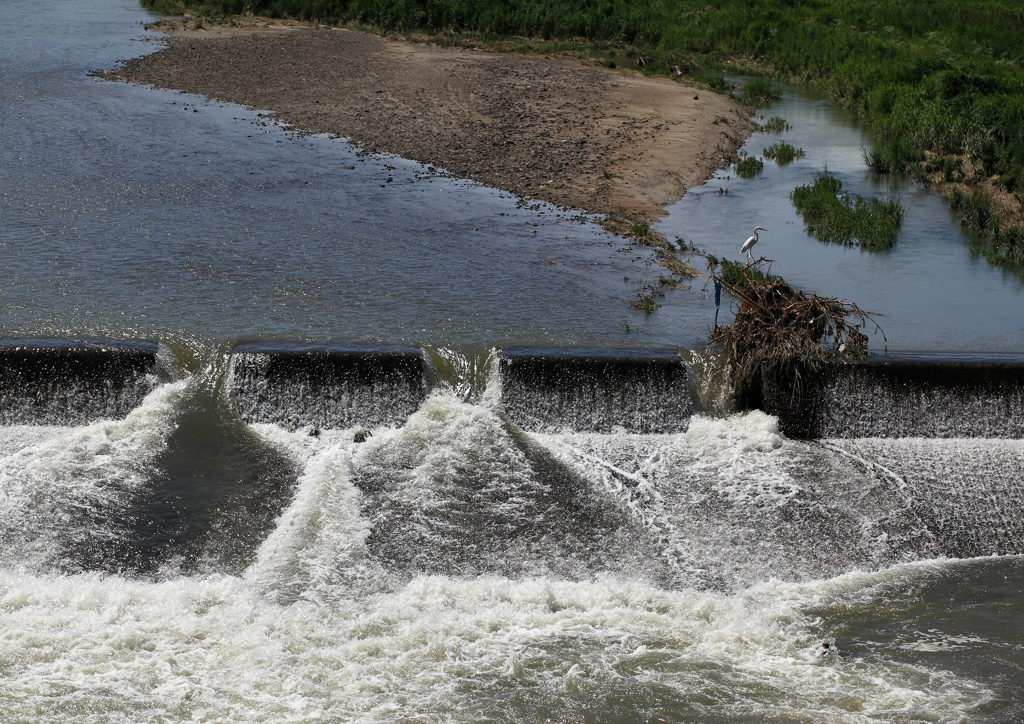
{"x":608,"y":142}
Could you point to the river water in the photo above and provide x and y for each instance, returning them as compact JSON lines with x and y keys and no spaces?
{"x":180,"y":565}
{"x":928,"y":293}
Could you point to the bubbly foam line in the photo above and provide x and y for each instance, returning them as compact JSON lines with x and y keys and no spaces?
{"x":735,"y":502}
{"x":901,"y":485}
{"x":965,"y":491}
{"x":92,"y":648}
{"x":318,"y":545}
{"x":638,"y":494}
{"x":61,"y":492}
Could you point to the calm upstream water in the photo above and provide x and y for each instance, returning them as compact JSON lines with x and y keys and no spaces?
{"x":928,"y":293}
{"x":180,"y":565}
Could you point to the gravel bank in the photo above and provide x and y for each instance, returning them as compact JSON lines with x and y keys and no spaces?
{"x":608,"y":142}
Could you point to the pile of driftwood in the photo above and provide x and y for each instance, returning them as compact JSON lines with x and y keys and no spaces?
{"x":783,"y":338}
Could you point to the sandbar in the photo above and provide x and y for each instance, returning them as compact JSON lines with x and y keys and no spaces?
{"x":609,"y":142}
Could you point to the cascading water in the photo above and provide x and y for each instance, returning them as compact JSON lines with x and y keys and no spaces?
{"x":453,"y":566}
{"x":423,"y":537}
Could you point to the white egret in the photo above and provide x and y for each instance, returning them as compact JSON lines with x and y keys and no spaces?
{"x":749,"y":243}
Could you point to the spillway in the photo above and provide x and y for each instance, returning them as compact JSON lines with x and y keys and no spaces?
{"x":922,"y":395}
{"x":65,"y":382}
{"x":327,"y":385}
{"x":357,"y":502}
{"x":596,"y":390}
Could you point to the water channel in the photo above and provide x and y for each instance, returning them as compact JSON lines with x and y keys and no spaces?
{"x":928,"y":293}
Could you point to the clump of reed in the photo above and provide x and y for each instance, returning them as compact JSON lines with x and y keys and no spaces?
{"x":775,"y":124}
{"x":896,"y":156}
{"x":749,"y":166}
{"x":977,"y":213}
{"x":834,"y":216}
{"x":783,"y":153}
{"x":759,"y":90}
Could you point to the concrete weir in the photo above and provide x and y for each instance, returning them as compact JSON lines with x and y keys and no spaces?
{"x":328,"y":385}
{"x":930,"y":396}
{"x":63,"y":382}
{"x":595,"y":390}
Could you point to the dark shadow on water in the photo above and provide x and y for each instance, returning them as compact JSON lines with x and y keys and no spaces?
{"x":216,"y":492}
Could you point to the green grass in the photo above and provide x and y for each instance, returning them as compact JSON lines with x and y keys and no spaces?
{"x":833,"y":216}
{"x":759,"y":90}
{"x":1006,"y":241}
{"x":975,"y":212}
{"x":736,"y":274}
{"x":783,"y":153}
{"x":749,"y":166}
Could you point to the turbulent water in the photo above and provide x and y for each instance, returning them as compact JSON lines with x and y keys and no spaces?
{"x":456,"y":568}
{"x":174,"y":563}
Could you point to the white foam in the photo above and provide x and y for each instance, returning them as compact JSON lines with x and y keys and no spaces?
{"x":59,"y":486}
{"x":442,"y":649}
{"x":317,"y":549}
{"x":736,"y":502}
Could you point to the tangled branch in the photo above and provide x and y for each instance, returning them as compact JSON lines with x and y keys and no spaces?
{"x":784,"y":335}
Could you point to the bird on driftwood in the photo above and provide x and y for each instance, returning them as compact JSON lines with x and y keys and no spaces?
{"x":749,"y":243}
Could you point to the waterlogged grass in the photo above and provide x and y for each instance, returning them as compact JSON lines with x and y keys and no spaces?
{"x":834,"y":216}
{"x":646,"y":298}
{"x":680,"y":267}
{"x":1006,"y":241}
{"x":749,"y":166}
{"x":975,"y":212}
{"x":759,"y":90}
{"x":775,"y":124}
{"x":783,"y":153}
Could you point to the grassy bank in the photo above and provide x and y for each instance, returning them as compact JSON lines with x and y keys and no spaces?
{"x":940,"y":81}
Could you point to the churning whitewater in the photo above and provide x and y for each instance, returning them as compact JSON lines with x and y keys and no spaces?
{"x":316,"y":531}
{"x":457,"y":568}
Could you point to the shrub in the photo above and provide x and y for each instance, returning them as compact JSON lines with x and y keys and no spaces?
{"x":783,"y":153}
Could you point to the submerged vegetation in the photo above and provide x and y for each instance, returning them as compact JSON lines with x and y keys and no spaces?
{"x":749,"y":166}
{"x":775,"y":124}
{"x":834,"y":216}
{"x":783,"y":153}
{"x":646,"y":298}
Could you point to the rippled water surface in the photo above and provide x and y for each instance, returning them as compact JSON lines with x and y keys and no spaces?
{"x":129,"y":211}
{"x":180,"y":565}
